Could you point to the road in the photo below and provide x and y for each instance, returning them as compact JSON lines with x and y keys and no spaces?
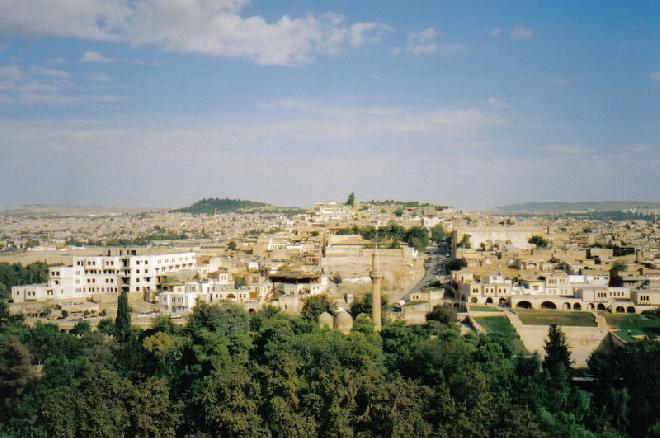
{"x":435,"y":263}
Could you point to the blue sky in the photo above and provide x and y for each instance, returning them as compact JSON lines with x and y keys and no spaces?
{"x":475,"y":104}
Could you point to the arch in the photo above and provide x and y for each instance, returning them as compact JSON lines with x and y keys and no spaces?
{"x":474,"y":300}
{"x":251,"y":310}
{"x":489,"y":300}
{"x":524,"y":305}
{"x":502,"y":301}
{"x":548,"y":305}
{"x":231,"y":297}
{"x":577,"y":306}
{"x":630,"y":309}
{"x":591,"y":306}
{"x":620,"y":309}
{"x":567,"y":306}
{"x":601,"y":306}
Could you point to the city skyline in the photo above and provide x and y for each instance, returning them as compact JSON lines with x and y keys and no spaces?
{"x":477,"y":105}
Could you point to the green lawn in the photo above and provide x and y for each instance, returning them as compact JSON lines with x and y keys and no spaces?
{"x":500,"y":325}
{"x":632,"y":327}
{"x":476,"y":308}
{"x":559,"y":317}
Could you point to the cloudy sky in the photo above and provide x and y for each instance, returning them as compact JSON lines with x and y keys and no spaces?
{"x":474,"y":104}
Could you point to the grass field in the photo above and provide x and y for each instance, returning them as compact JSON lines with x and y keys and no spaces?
{"x":632,"y":327}
{"x":500,"y":325}
{"x":547,"y":317}
{"x":476,"y":308}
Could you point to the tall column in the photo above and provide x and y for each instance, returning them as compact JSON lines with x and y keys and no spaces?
{"x":376,"y":279}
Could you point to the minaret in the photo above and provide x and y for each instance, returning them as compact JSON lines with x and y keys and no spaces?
{"x":376,"y":278}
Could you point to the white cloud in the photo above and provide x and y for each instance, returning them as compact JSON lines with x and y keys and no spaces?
{"x":495,"y":31}
{"x":99,"y":77}
{"x":212,"y":27}
{"x":521,"y":33}
{"x":12,"y":72}
{"x":51,"y":72}
{"x":655,"y":76}
{"x":55,"y":61}
{"x":38,"y":85}
{"x":424,"y":43}
{"x":95,"y":57}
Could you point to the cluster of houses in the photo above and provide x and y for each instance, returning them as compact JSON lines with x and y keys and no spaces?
{"x":504,"y":267}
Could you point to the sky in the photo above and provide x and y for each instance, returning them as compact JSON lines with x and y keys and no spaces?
{"x":465,"y":103}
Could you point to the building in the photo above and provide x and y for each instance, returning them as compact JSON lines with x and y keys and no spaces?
{"x":129,"y":270}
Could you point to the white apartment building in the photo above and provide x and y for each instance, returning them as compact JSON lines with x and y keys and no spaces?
{"x":130,"y":270}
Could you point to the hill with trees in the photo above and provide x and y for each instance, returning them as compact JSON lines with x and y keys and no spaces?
{"x":219,"y":205}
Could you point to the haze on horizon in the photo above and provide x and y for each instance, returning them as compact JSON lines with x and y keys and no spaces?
{"x":160,"y":103}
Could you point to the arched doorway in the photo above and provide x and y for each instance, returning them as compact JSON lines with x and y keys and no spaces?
{"x":489,"y":300}
{"x":631,"y":309}
{"x":548,"y":305}
{"x":474,"y":300}
{"x":591,"y":306}
{"x":601,"y":306}
{"x":577,"y":306}
{"x":567,"y":306}
{"x":524,"y":305}
{"x":620,"y":309}
{"x":502,"y":301}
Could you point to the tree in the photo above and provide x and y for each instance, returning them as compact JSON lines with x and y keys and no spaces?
{"x":438,"y":233}
{"x":314,"y":306}
{"x":240,"y":282}
{"x":444,"y":314}
{"x":557,"y":356}
{"x":539,"y":241}
{"x":123,"y":320}
{"x":465,"y":242}
{"x":615,"y":277}
{"x":106,"y":326}
{"x":15,"y":373}
{"x":81,"y":328}
{"x":456,"y":265}
{"x":232,"y":245}
{"x":351,"y":199}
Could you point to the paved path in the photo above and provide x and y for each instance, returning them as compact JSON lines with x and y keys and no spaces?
{"x":428,"y":276}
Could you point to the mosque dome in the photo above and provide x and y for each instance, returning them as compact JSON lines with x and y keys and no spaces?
{"x":343,"y":322}
{"x":325,"y":320}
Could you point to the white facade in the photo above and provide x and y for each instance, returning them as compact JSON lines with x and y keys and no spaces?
{"x":119,"y":270}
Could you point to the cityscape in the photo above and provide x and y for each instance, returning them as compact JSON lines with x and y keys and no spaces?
{"x":271,"y":219}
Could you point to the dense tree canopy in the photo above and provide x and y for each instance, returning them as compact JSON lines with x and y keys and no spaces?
{"x":227,"y":373}
{"x":416,"y":237}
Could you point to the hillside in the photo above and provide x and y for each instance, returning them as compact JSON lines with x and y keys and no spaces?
{"x":218,"y":205}
{"x":562,"y":207}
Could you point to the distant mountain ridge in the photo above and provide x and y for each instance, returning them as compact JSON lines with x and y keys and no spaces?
{"x":562,"y":207}
{"x":218,"y":205}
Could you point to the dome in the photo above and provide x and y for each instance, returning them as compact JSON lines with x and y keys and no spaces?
{"x":325,"y":320}
{"x":344,"y":322}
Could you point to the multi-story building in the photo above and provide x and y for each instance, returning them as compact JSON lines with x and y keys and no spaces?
{"x":130,"y":270}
